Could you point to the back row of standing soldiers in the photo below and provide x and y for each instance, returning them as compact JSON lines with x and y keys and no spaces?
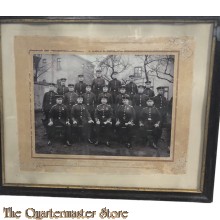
{"x":94,"y":111}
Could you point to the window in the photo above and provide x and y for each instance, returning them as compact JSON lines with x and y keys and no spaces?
{"x":138,"y":71}
{"x":44,"y":61}
{"x":58,"y":63}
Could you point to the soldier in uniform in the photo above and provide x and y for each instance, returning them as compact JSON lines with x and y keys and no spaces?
{"x":58,"y":116}
{"x":98,"y":83}
{"x":70,"y":98}
{"x":131,"y":87}
{"x":114,"y":86}
{"x":80,"y":87}
{"x":103,"y":119}
{"x":125,"y":116}
{"x":120,"y":97}
{"x":169,"y":121}
{"x":106,"y":94}
{"x":150,"y":123}
{"x":139,"y":102}
{"x":148,"y":91}
{"x":161,"y":104}
{"x":81,"y":120}
{"x":62,"y":89}
{"x":48,"y":101}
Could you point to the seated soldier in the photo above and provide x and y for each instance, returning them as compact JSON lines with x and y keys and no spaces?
{"x":103,"y":118}
{"x":150,"y":123}
{"x":125,"y":116}
{"x":58,"y":116}
{"x":81,"y":120}
{"x":106,"y":94}
{"x":120,"y":97}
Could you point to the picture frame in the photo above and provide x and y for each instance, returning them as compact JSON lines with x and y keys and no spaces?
{"x":25,"y":172}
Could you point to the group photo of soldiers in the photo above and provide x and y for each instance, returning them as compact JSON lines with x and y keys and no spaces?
{"x":106,"y":114}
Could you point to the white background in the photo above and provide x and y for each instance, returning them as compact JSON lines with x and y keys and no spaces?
{"x":137,"y":209}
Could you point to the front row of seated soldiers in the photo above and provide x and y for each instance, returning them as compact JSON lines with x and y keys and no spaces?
{"x":79,"y":121}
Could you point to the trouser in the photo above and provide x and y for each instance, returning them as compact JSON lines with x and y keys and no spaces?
{"x":125,"y":133}
{"x":81,"y":132}
{"x":103,"y":132}
{"x":151,"y":134}
{"x":61,"y":127}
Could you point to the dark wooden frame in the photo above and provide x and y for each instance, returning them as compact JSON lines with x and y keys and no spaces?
{"x":213,"y":122}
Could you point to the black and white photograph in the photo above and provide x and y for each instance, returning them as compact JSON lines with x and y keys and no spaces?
{"x":103,"y":104}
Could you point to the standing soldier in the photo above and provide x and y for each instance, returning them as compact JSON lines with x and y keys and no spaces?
{"x":70,"y":98}
{"x":161,"y":104}
{"x":125,"y":116}
{"x":62,"y":89}
{"x":150,"y":123}
{"x":131,"y":87}
{"x":48,"y":101}
{"x":106,"y":94}
{"x":58,"y":116}
{"x":80,"y":87}
{"x":98,"y":83}
{"x":120,"y":97}
{"x":139,"y":102}
{"x":81,"y":120}
{"x":103,"y":118}
{"x":114,"y":86}
{"x":148,"y":91}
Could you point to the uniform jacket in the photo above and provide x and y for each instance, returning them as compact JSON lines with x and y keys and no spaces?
{"x":131,"y":88}
{"x":80,"y":113}
{"x":70,"y":99}
{"x":80,"y":88}
{"x":103,"y":112}
{"x":114,"y":86}
{"x":49,"y":100}
{"x":160,"y":103}
{"x":97,"y":85}
{"x":62,"y":90}
{"x":89,"y":99}
{"x":140,"y":100}
{"x":125,"y":113}
{"x":59,"y":113}
{"x":120,"y":97}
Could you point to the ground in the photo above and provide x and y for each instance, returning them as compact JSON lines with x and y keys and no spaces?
{"x":116,"y":149}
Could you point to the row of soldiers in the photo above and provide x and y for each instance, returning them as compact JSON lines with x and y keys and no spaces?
{"x":95,"y":111}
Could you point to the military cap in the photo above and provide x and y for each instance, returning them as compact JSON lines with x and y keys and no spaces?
{"x":141,"y":86}
{"x":80,"y":75}
{"x":115,"y":73}
{"x":63,"y":79}
{"x":159,"y":87}
{"x":131,"y":76}
{"x":59,"y":96}
{"x":79,"y":97}
{"x":70,"y":84}
{"x":122,"y":87}
{"x":125,"y":97}
{"x":98,"y":71}
{"x":150,"y":99}
{"x":51,"y":84}
{"x":105,"y":86}
{"x":88,"y":85}
{"x":103,"y":97}
{"x":148,"y":82}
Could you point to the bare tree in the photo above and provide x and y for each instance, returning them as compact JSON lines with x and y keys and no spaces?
{"x":40,"y":68}
{"x":111,"y":64}
{"x":158,"y":65}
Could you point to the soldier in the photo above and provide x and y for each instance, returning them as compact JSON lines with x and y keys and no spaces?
{"x":148,"y":91}
{"x":161,"y":104}
{"x":106,"y":94}
{"x":80,"y":87}
{"x":103,"y":118}
{"x":169,"y":122}
{"x":62,"y":89}
{"x":81,"y":120}
{"x":125,"y":116}
{"x":150,"y":123}
{"x":70,"y":98}
{"x":48,"y":101}
{"x":58,"y":116}
{"x":114,"y":86}
{"x":139,"y":102}
{"x":131,"y":87}
{"x":98,"y":83}
{"x":120,"y":97}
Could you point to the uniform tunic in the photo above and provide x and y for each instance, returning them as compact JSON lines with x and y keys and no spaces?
{"x":160,"y":103}
{"x":119,"y":98}
{"x":114,"y":86}
{"x":97,"y":85}
{"x":62,"y":90}
{"x":80,"y":88}
{"x":49,"y":100}
{"x":131,"y":89}
{"x":70,"y":99}
{"x":89,"y":99}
